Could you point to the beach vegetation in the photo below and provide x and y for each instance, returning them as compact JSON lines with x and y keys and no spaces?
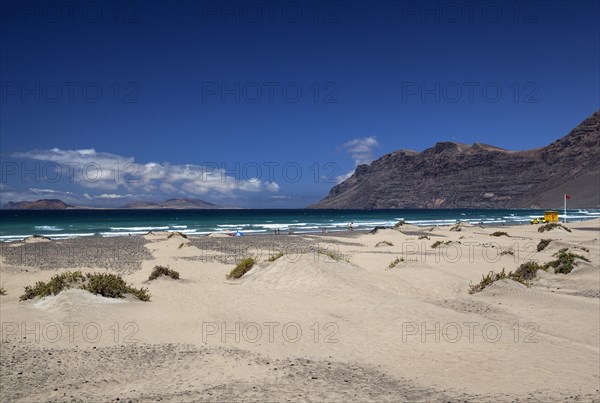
{"x":331,"y":255}
{"x":507,"y":252}
{"x":438,"y":243}
{"x":2,"y":291}
{"x":456,"y":227}
{"x":241,"y":268}
{"x":163,"y":271}
{"x":487,"y":280}
{"x":172,"y":234}
{"x":543,"y":244}
{"x":424,"y":237}
{"x":551,"y":226}
{"x":399,"y":224}
{"x":395,"y":262}
{"x":105,"y":284}
{"x":273,"y":258}
{"x":499,"y":233}
{"x":524,"y":273}
{"x":56,"y":284}
{"x":388,"y":243}
{"x":564,"y":262}
{"x":112,"y":286}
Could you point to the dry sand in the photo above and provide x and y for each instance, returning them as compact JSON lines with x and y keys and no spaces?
{"x":306,"y":326}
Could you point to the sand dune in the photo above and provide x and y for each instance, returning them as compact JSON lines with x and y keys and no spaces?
{"x":311,"y":327}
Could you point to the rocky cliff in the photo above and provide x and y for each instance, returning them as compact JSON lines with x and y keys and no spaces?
{"x":454,"y":175}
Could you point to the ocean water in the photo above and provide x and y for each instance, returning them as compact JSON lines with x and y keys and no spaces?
{"x":61,"y":224}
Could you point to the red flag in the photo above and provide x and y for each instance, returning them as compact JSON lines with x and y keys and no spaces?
{"x":567,"y":196}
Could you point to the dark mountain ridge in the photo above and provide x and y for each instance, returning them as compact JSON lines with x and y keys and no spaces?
{"x":455,"y":175}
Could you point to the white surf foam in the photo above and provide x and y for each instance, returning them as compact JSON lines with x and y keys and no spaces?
{"x":48,"y":228}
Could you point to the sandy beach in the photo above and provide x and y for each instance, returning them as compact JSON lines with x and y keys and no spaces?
{"x":330,"y":320}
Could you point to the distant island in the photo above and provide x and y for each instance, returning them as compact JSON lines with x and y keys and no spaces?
{"x":42,"y":204}
{"x":182,"y":203}
{"x":57,"y":204}
{"x":454,"y":175}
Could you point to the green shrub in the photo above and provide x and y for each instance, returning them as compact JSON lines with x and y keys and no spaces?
{"x":395,"y":263}
{"x":499,"y":233}
{"x":56,"y":284}
{"x":2,"y":291}
{"x":456,"y":227}
{"x":275,"y":257}
{"x":104,"y":284}
{"x":113,"y":286}
{"x":388,"y":243}
{"x":526,"y":272}
{"x":487,"y":280}
{"x":565,"y":261}
{"x":551,"y":226}
{"x":438,"y":243}
{"x":163,"y":271}
{"x":543,"y":244}
{"x":140,"y":293}
{"x":242,"y":268}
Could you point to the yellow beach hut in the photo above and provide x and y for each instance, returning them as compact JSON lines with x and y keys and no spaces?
{"x":550,"y":216}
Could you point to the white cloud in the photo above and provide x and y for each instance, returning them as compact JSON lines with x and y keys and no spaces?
{"x":111,"y":172}
{"x":85,"y":156}
{"x":361,"y":149}
{"x":86,"y":167}
{"x":272,"y":186}
{"x":342,"y":178}
{"x":40,"y":191}
{"x":168,"y":188}
{"x":111,"y":196}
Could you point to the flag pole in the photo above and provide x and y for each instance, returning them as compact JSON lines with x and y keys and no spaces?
{"x":565,"y":218}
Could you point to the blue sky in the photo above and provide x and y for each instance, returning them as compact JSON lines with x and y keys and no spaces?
{"x":256,"y":104}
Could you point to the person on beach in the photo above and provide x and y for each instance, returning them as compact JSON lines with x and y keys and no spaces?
{"x":350,"y":228}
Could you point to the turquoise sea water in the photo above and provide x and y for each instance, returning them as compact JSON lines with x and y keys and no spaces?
{"x":61,"y":224}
